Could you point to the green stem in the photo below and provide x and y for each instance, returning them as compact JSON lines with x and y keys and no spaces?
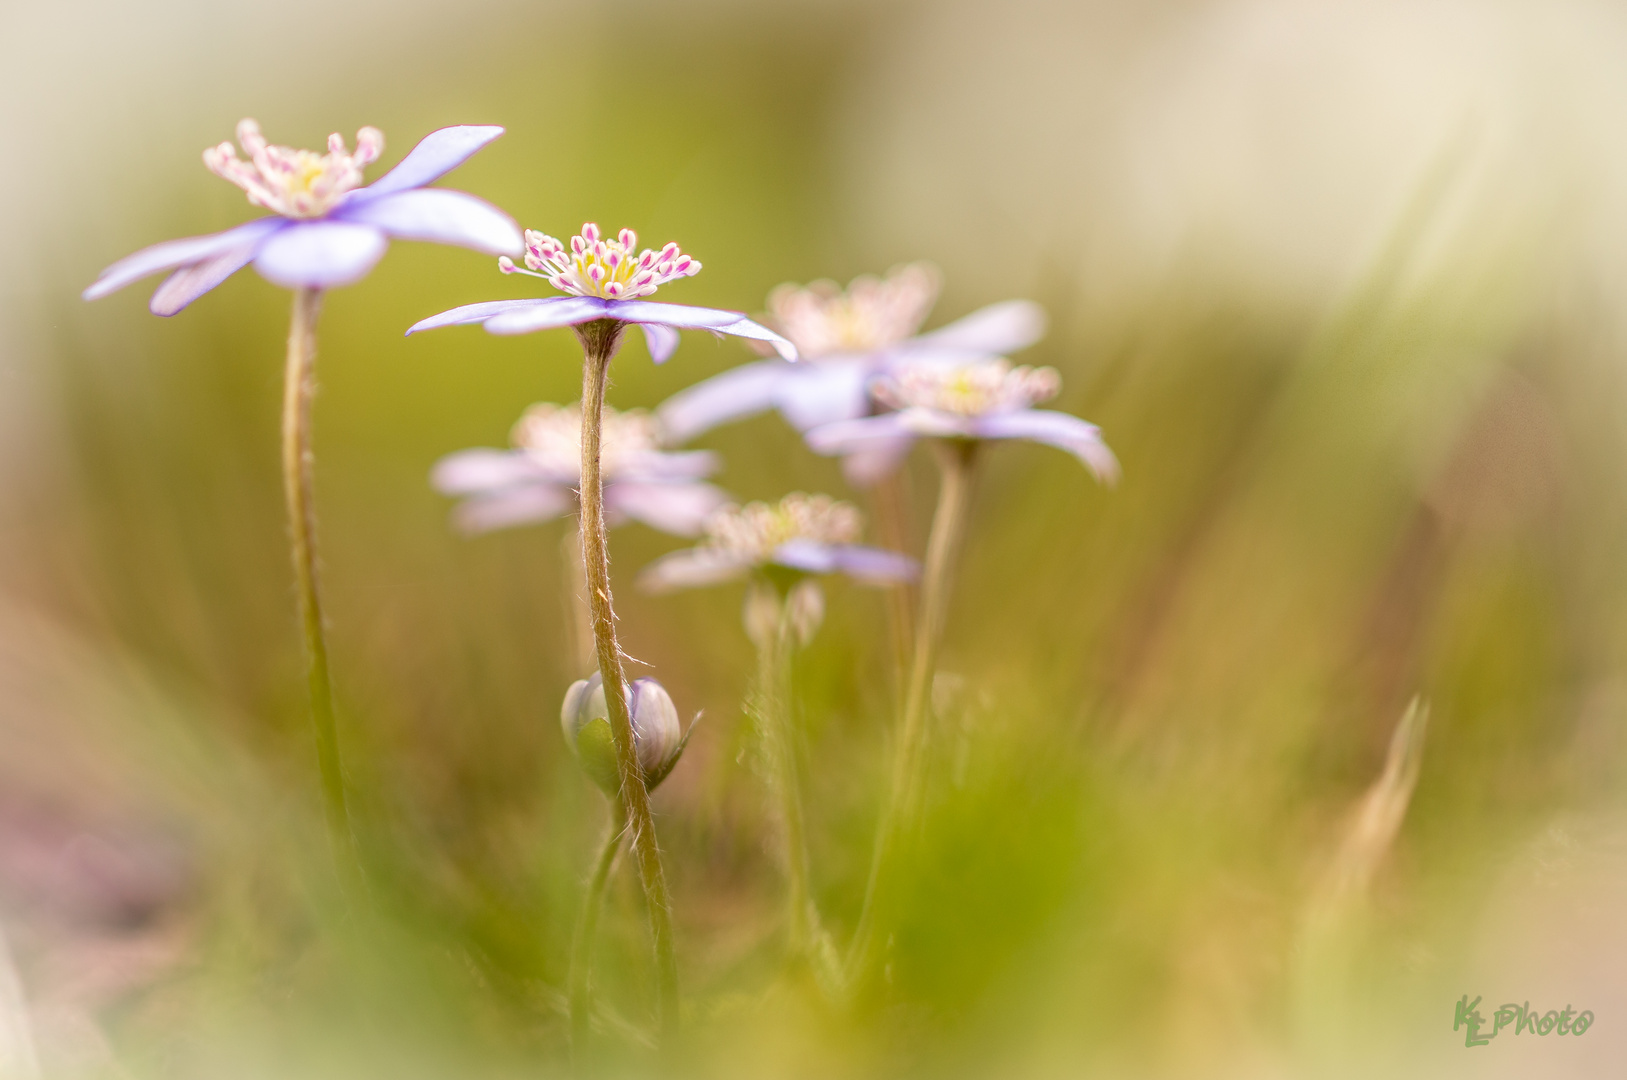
{"x":955,"y":461}
{"x":599,"y":342}
{"x":892,"y":529}
{"x":587,"y":928}
{"x":299,"y":387}
{"x":773,"y":708}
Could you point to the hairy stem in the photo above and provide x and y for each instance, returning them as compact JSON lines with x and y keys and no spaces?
{"x":299,"y":387}
{"x":955,"y":461}
{"x":772,"y":704}
{"x":599,"y":342}
{"x":892,"y":529}
{"x":587,"y":926}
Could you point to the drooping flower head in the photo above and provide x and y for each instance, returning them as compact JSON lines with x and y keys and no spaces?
{"x":603,"y":268}
{"x":604,"y":279}
{"x":981,"y":399}
{"x":537,"y":479}
{"x":800,"y":535}
{"x":873,"y":313}
{"x":294,"y":183}
{"x":658,"y":737}
{"x":327,"y":229}
{"x":852,"y":335}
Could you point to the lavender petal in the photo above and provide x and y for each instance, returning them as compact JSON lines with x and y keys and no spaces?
{"x":173,"y":253}
{"x":556,"y":312}
{"x":738,"y":392}
{"x":806,"y":555}
{"x":662,"y":341}
{"x":875,"y":566}
{"x":663,"y":467}
{"x":823,"y":393}
{"x":190,"y":282}
{"x":692,"y":568}
{"x":1066,"y":432}
{"x":437,"y":154}
{"x":442,"y":216}
{"x":512,"y":506}
{"x":472,"y":472}
{"x":996,"y":329}
{"x":474,"y":313}
{"x":877,"y":460}
{"x":320,"y":254}
{"x":848,"y":436}
{"x":684,"y":317}
{"x":680,"y":509}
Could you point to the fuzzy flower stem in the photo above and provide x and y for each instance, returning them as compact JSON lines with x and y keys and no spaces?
{"x":955,"y":461}
{"x":587,"y":926}
{"x":600,"y":339}
{"x":892,"y":530}
{"x":299,"y":387}
{"x":772,"y":704}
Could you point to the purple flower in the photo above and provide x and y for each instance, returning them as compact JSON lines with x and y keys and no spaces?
{"x":537,"y":480}
{"x":980,"y":399}
{"x":327,"y":230}
{"x":849,"y":337}
{"x":604,"y":279}
{"x":802,"y":535}
{"x":658,"y":737}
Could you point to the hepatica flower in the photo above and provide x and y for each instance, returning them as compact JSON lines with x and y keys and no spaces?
{"x":799,"y":536}
{"x":537,"y":480}
{"x":850,"y":337}
{"x":974,"y":401}
{"x":325,"y":228}
{"x":605,"y":279}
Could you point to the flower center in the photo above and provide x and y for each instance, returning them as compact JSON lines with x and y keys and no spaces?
{"x":757,"y":529}
{"x":874,"y":312}
{"x":594,"y":266}
{"x":552,"y":434}
{"x":974,"y":389}
{"x":294,"y":183}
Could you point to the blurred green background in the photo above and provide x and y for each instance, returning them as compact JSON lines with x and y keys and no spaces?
{"x":1342,"y":285}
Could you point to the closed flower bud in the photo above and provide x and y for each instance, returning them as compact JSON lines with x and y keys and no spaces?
{"x":805,"y":608}
{"x":658,"y":738}
{"x":761,"y":613}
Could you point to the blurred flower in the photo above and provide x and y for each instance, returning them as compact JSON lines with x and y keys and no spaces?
{"x":604,"y":280}
{"x":802,"y":534}
{"x":537,"y":480}
{"x":328,"y":230}
{"x":982,"y":399}
{"x":851,"y":337}
{"x":658,"y":738}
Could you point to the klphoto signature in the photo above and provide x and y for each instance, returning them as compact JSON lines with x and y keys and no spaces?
{"x":1523,"y":1018}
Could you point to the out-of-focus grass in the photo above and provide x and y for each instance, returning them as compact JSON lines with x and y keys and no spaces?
{"x":1164,"y":698}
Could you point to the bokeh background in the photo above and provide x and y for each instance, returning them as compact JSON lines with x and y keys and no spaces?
{"x":1342,"y":282}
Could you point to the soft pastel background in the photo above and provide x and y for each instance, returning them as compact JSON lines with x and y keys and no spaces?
{"x":1343,"y":283}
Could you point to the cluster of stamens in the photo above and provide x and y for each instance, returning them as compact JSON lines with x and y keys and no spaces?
{"x":822,"y":319}
{"x":757,"y":529}
{"x":979,"y":388}
{"x":594,"y":266}
{"x":553,"y":435}
{"x":294,"y":183}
